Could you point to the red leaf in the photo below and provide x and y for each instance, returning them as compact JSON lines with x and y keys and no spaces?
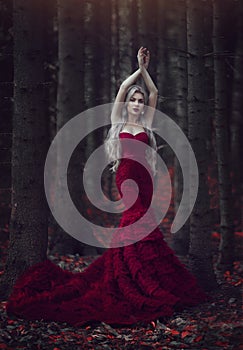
{"x":153,"y":324}
{"x":11,"y":321}
{"x":190,"y":327}
{"x":237,"y":283}
{"x":215,"y":235}
{"x":239,"y":234}
{"x":211,"y":318}
{"x":184,"y":334}
{"x":221,"y":343}
{"x":197,"y":339}
{"x":174,"y":332}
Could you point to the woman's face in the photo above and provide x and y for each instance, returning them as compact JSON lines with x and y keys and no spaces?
{"x":136,"y":104}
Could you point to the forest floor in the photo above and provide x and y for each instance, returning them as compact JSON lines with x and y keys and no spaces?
{"x":209,"y":326}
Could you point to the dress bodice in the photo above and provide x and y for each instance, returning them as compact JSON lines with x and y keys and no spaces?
{"x":138,"y":149}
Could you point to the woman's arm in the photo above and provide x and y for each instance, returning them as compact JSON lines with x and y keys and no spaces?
{"x":120,"y":97}
{"x":143,"y":61}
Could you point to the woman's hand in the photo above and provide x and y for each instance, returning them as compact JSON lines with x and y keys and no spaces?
{"x":143,"y":57}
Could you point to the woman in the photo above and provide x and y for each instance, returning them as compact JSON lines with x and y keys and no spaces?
{"x":131,"y":119}
{"x":130,"y":283}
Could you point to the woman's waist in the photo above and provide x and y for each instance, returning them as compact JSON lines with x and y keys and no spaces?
{"x":134,"y":156}
{"x":134,"y":166}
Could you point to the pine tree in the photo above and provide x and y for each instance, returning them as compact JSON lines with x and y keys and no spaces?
{"x":200,"y":222}
{"x":226,"y":249}
{"x":28,"y":226}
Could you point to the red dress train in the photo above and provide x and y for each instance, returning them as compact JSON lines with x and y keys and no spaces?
{"x":138,"y":282}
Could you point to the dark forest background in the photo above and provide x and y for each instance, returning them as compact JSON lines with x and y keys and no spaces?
{"x":60,"y":58}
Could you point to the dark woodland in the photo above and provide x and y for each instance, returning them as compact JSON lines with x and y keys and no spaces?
{"x":59,"y":58}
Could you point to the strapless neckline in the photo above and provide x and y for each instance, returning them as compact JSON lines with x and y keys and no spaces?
{"x":126,"y":132}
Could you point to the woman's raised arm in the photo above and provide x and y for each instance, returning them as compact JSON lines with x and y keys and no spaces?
{"x":143,"y":61}
{"x":120,"y":97}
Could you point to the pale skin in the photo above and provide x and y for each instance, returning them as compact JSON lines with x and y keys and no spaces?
{"x":136,"y":104}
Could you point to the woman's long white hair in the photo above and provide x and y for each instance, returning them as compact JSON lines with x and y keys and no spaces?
{"x":112,"y":142}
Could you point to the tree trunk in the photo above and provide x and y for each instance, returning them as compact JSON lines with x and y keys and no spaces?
{"x":97,"y":81}
{"x":28,"y":229}
{"x":161,"y":64}
{"x":115,"y":72}
{"x":70,"y":94}
{"x":200,"y":231}
{"x":124,"y":44}
{"x":236,"y":127}
{"x":226,"y":249}
{"x":51,"y":64}
{"x":115,"y":81}
{"x":103,"y":14}
{"x":6,"y":98}
{"x":148,"y":36}
{"x":180,"y":238}
{"x":173,"y":11}
{"x":104,"y":10}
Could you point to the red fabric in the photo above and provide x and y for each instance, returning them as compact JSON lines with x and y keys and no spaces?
{"x":137,"y":282}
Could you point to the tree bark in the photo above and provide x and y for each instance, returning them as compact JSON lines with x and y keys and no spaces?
{"x":179,"y":42}
{"x":70,"y":97}
{"x":97,"y":82}
{"x":104,"y":51}
{"x":124,"y":44}
{"x":115,"y":72}
{"x":200,"y":257}
{"x":236,"y":126}
{"x":147,"y":31}
{"x":104,"y":13}
{"x":28,"y":226}
{"x":6,"y":106}
{"x":220,"y":20}
{"x":51,"y":41}
{"x":161,"y":49}
{"x":173,"y":12}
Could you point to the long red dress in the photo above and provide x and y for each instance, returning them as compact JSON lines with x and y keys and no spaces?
{"x":137,"y":282}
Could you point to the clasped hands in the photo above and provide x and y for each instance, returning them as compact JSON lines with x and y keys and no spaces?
{"x":143,"y":57}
